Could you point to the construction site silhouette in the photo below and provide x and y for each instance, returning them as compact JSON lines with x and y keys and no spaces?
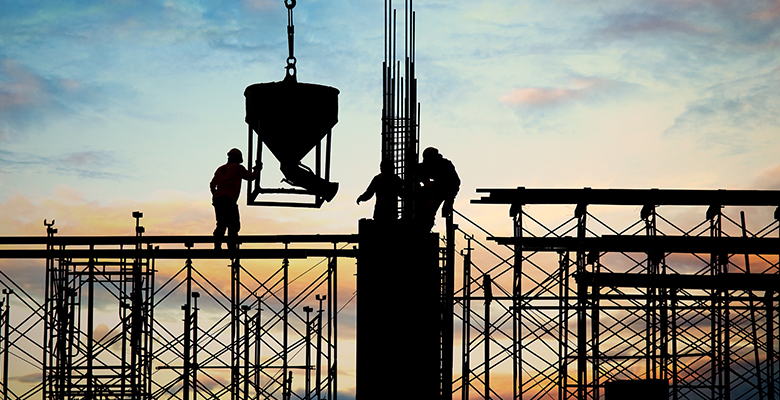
{"x":677,"y":299}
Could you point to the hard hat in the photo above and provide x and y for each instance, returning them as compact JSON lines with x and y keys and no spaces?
{"x":234,"y":152}
{"x":429,"y":152}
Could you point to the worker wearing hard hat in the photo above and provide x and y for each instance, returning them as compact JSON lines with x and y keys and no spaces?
{"x":440,"y":185}
{"x":225,"y":188}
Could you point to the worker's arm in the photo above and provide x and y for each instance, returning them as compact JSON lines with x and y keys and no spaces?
{"x":250,"y":176}
{"x":213,"y":183}
{"x":369,"y":193}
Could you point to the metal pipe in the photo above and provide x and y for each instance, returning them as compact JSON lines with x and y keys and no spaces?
{"x":195,"y":366}
{"x":245,"y":311}
{"x":6,"y":342}
{"x":307,"y":351}
{"x":466,"y":327}
{"x":285,"y":314}
{"x":754,"y":328}
{"x":486,"y":286}
{"x":319,"y":346}
{"x":187,"y":331}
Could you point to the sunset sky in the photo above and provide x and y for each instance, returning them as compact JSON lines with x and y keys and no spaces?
{"x":111,"y":106}
{"x":107,"y":107}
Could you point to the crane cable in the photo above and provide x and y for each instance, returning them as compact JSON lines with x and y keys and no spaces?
{"x":291,"y":72}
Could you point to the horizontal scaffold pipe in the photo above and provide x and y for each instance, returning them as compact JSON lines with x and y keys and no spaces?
{"x":630,"y":197}
{"x":723,"y":282}
{"x":647,"y":244}
{"x":174,"y":254}
{"x":185,"y":239}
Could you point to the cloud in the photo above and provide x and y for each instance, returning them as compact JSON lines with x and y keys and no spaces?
{"x":769,"y":179}
{"x":740,"y":115}
{"x":581,"y":88}
{"x":28,"y":98}
{"x":620,"y":25}
{"x":90,"y":164}
{"x":19,"y":87}
{"x":771,"y":12}
{"x":261,"y":5}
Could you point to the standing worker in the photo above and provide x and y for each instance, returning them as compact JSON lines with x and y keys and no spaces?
{"x":440,"y":185}
{"x":387,"y":186}
{"x":225,"y":188}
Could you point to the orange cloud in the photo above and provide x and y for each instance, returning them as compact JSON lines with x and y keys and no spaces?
{"x":260,"y":5}
{"x":24,"y":88}
{"x":547,"y":96}
{"x":772,"y":12}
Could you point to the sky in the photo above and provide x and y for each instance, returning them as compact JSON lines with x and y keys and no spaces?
{"x":107,"y":107}
{"x":111,"y":106}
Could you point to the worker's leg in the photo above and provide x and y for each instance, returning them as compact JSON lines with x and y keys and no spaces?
{"x":233,"y":224}
{"x":219,"y":213}
{"x":427,"y":204}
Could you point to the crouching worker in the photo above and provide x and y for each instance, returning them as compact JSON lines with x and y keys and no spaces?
{"x":225,"y":188}
{"x":440,"y":185}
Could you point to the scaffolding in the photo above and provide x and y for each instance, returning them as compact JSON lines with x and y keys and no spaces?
{"x":595,"y":293}
{"x":577,"y":305}
{"x":108,"y":330}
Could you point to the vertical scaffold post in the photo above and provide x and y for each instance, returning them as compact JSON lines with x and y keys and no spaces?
{"x":770,"y":343}
{"x":235,"y":340}
{"x":258,"y":345}
{"x":195,"y":296}
{"x":651,"y":318}
{"x":91,"y":327}
{"x":6,"y":321}
{"x":447,"y":310}
{"x":466,"y":327}
{"x":517,"y":323}
{"x":563,"y":330}
{"x":287,"y":374}
{"x":487,"y":288}
{"x":593,"y":260}
{"x":318,"y":377}
{"x":137,"y":361}
{"x":187,"y":373}
{"x":580,"y":213}
{"x":753,"y":326}
{"x":716,"y":321}
{"x":307,"y":351}
{"x":333,"y":324}
{"x":245,"y":311}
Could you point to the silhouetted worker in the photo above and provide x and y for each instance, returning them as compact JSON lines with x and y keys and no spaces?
{"x":387,"y":186}
{"x":440,"y":185}
{"x":225,"y":188}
